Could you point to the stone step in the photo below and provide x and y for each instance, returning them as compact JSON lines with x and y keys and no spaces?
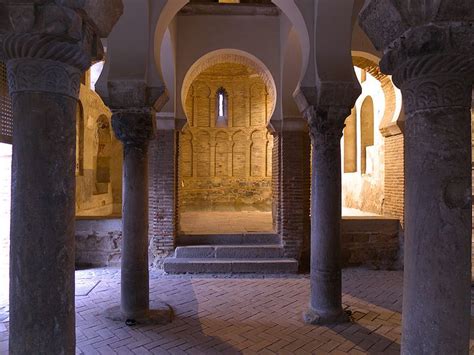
{"x":228,"y":239}
{"x":229,"y":266}
{"x":272,"y":251}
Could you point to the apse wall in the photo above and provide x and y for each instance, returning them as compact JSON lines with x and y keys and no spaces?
{"x":225,"y":161}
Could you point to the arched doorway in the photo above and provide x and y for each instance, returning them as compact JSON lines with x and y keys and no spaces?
{"x":224,"y":184}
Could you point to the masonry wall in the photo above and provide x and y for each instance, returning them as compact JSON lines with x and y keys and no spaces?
{"x":225,"y":160}
{"x":295,"y":186}
{"x":394,"y":180}
{"x":162,"y":194}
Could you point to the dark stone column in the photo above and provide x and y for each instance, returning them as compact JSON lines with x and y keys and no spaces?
{"x":438,"y":206}
{"x":431,"y":57}
{"x":135,"y":128}
{"x":43,"y":206}
{"x":326,"y":127}
{"x":47,"y":46}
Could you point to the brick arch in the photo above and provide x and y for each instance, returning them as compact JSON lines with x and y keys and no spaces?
{"x":393,"y":104}
{"x":231,"y":56}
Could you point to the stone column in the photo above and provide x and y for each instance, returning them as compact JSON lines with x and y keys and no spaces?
{"x":438,"y":204}
{"x":438,"y":210}
{"x":47,"y":47}
{"x":431,"y":57}
{"x":134,"y":128}
{"x":326,"y":125}
{"x":43,"y":205}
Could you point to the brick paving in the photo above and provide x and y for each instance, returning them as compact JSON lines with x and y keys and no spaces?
{"x":237,"y":315}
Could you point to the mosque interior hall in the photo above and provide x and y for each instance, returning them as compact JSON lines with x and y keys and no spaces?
{"x":236,"y":177}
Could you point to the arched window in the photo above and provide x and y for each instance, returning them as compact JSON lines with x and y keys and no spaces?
{"x":350,"y":143}
{"x":221,"y":114}
{"x":366,"y":131}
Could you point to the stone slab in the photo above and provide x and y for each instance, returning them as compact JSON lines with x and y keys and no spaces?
{"x":211,"y":266}
{"x":230,"y":251}
{"x":228,"y":239}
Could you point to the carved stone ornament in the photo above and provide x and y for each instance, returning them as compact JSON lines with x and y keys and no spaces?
{"x":436,"y":82}
{"x":43,"y":76}
{"x":326,"y":125}
{"x":66,"y":31}
{"x":134,"y":127}
{"x":428,"y":48}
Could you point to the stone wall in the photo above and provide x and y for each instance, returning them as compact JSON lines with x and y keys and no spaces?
{"x":370,"y":241}
{"x":225,"y":151}
{"x":366,"y":241}
{"x":98,"y":242}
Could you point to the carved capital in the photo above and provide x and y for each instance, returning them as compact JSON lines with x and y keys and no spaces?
{"x":436,"y":82}
{"x":386,"y":21}
{"x":326,"y":125}
{"x":427,"y":47}
{"x":328,"y":94}
{"x":66,"y":31}
{"x":41,"y":75}
{"x":121,"y":94}
{"x":134,"y":127}
{"x":443,"y":48}
{"x":45,"y":47}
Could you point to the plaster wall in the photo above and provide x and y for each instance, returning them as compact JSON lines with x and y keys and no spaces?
{"x":363,"y":187}
{"x":98,"y":158}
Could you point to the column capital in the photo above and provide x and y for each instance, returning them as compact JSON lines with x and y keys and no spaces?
{"x":48,"y":44}
{"x":66,"y":31}
{"x":427,"y":48}
{"x":134,"y":127}
{"x":326,"y":124}
{"x":121,"y":94}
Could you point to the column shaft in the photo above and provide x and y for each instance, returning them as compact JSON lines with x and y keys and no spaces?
{"x":325,"y":230}
{"x":326,"y":125}
{"x":135,"y":284}
{"x":42,"y":220}
{"x":437,"y":278}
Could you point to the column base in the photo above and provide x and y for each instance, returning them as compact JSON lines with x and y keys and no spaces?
{"x":160,"y":313}
{"x":313,"y":317}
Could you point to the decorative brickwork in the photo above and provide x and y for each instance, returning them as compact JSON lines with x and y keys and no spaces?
{"x":294,"y":191}
{"x":162,"y":195}
{"x":394,"y":177}
{"x":225,"y":150}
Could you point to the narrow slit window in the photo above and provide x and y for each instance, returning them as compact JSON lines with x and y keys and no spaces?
{"x":221,"y":109}
{"x":221,"y":104}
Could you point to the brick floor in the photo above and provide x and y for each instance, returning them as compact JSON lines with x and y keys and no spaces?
{"x":230,"y":315}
